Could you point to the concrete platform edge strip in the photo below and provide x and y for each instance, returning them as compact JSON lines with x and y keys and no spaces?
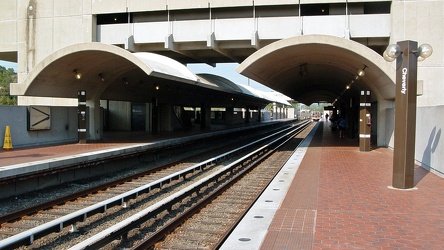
{"x":251,"y":231}
{"x":100,"y":154}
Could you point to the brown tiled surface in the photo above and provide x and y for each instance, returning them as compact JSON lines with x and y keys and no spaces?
{"x":110,"y":140}
{"x":338,"y":200}
{"x":17,"y":156}
{"x":345,"y":194}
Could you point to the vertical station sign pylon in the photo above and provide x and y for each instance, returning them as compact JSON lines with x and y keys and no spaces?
{"x":405,"y":116}
{"x":81,"y":116}
{"x":364,"y":121}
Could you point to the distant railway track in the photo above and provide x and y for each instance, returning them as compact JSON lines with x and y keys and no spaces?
{"x":142,"y":198}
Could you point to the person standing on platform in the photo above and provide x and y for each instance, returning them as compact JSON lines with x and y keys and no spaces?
{"x":342,"y":126}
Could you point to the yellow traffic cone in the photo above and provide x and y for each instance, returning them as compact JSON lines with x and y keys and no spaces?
{"x":7,"y":144}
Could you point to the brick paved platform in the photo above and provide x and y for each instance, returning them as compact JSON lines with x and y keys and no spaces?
{"x":114,"y":143}
{"x":111,"y":140}
{"x":340,"y":199}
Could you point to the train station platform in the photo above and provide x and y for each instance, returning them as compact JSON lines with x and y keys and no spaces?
{"x":340,"y":198}
{"x":23,"y":161}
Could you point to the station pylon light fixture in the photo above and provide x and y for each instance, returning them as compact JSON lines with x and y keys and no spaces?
{"x":407,"y":54}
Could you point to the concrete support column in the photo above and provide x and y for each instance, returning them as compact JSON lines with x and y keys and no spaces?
{"x":166,"y":123}
{"x":350,"y":117}
{"x":385,"y":123}
{"x":274,"y":112}
{"x":364,"y":121}
{"x":95,"y":128}
{"x":229,"y":115}
{"x":154,"y":116}
{"x":205,"y":116}
{"x":334,"y":115}
{"x":149,"y":117}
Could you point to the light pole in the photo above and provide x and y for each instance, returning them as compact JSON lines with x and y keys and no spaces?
{"x":407,"y":53}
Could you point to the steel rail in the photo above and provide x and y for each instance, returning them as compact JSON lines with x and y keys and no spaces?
{"x":45,"y":205}
{"x":28,"y":237}
{"x":219,"y":243}
{"x":150,"y":241}
{"x":121,"y":228}
{"x":136,"y":150}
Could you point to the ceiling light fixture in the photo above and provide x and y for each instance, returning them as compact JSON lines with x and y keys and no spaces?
{"x":77,"y":75}
{"x":360,"y":73}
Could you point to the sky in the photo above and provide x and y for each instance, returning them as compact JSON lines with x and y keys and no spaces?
{"x":8,"y":65}
{"x":226,"y":70}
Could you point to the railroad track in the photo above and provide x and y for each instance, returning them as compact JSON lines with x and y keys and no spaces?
{"x":209,"y":226}
{"x":192,"y":152}
{"x":73,"y":221}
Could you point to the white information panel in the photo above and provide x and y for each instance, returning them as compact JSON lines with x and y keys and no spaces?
{"x":39,"y":117}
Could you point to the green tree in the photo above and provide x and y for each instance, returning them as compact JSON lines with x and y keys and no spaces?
{"x":269,"y":107}
{"x":7,"y":76}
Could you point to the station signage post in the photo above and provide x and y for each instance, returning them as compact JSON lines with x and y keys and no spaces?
{"x":81,"y":116}
{"x":405,"y":116}
{"x":364,"y":121}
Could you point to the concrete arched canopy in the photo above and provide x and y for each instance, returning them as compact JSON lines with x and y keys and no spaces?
{"x":247,"y":90}
{"x":317,"y":68}
{"x":111,"y":73}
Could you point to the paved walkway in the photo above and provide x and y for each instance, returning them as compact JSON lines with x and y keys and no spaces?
{"x":340,"y":199}
{"x":110,"y":140}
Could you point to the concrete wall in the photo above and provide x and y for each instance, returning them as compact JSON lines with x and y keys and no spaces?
{"x":158,"y":5}
{"x":429,"y":150}
{"x":33,"y":29}
{"x":119,"y":115}
{"x":267,"y":28}
{"x":63,"y":126}
{"x":427,"y":26}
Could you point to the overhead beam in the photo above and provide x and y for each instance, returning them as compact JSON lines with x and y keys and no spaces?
{"x":172,"y":46}
{"x":212,"y":44}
